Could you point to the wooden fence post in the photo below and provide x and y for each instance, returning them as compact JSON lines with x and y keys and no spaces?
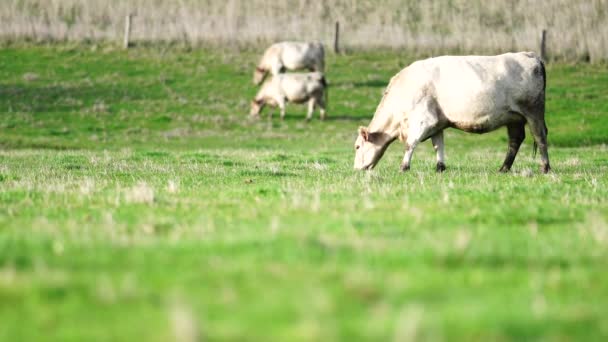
{"x":126,"y":42}
{"x":337,"y":38}
{"x":543,"y":45}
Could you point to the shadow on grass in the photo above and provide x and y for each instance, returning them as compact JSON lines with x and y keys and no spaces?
{"x":265,"y":173}
{"x":371,"y":83}
{"x":374,"y":83}
{"x":295,"y":118}
{"x":353,"y":117}
{"x":498,"y":262}
{"x":59,"y":98}
{"x":47,"y":145}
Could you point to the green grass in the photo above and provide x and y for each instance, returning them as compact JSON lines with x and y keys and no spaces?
{"x":138,"y":201}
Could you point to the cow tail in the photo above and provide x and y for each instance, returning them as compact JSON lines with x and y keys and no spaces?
{"x":544,"y":75}
{"x":544,"y":72}
{"x":321,"y":61}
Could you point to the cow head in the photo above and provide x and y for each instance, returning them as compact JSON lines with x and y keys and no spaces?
{"x":369,"y":148}
{"x":256,"y":107}
{"x":259,"y":75}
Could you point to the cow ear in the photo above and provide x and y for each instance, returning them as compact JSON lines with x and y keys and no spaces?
{"x":364,"y":133}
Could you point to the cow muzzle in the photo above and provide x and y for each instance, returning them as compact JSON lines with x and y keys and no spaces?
{"x":367,"y":167}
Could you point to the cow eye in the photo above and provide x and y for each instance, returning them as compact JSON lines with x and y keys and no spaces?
{"x":357,"y":147}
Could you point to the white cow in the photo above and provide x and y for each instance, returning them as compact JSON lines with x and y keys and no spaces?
{"x":475,"y":94}
{"x":294,"y":87}
{"x":290,"y":56}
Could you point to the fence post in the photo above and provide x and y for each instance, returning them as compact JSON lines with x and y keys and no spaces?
{"x":337,"y":38}
{"x":127,"y":31}
{"x":543,"y":45}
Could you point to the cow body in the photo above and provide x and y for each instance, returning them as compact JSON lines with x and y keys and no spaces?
{"x":290,"y":56}
{"x":475,"y":94}
{"x":294,"y":87}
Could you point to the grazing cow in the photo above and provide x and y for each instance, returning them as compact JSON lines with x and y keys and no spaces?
{"x":289,"y":56}
{"x":475,"y":94}
{"x":294,"y":87}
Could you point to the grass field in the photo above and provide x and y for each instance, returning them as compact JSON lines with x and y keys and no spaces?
{"x":138,"y":201}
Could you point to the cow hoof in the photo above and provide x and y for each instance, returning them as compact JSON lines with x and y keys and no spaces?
{"x":440,"y":167}
{"x":405,"y":168}
{"x":545,"y":168}
{"x":504,"y":169}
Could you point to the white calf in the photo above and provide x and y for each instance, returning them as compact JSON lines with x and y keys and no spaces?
{"x":295,"y":87}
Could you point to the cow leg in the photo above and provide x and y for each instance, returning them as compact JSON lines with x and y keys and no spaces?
{"x":407,"y":158}
{"x":437,"y":141}
{"x":420,"y":126}
{"x":321,"y":104}
{"x":311,"y":108}
{"x":413,"y":138}
{"x":538,"y":128}
{"x":517,"y":134}
{"x":281,"y":104}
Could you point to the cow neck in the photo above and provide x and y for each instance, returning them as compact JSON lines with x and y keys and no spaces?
{"x":386,"y":124}
{"x":384,"y":120}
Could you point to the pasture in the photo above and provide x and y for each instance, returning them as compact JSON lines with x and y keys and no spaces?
{"x":138,"y":201}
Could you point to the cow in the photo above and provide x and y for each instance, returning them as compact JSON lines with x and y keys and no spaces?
{"x":475,"y":94}
{"x":293,"y":87}
{"x":289,"y":56}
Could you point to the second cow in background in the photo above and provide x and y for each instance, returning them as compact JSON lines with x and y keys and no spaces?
{"x":289,"y":56}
